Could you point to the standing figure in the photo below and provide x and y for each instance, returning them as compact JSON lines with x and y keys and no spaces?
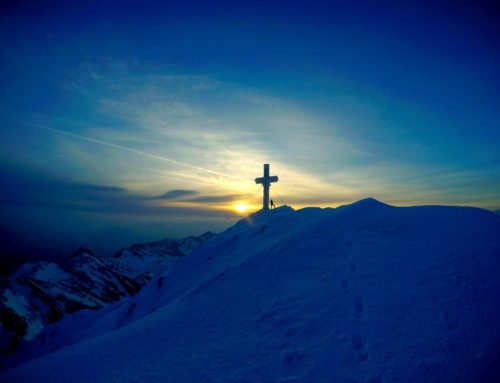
{"x":273,"y":206}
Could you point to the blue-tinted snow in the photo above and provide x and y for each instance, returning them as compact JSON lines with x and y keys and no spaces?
{"x":362,"y":293}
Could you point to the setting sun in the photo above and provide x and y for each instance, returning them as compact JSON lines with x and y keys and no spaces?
{"x":241,"y":207}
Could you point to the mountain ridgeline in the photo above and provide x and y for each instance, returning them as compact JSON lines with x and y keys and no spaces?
{"x":44,"y":292}
{"x":362,"y":293}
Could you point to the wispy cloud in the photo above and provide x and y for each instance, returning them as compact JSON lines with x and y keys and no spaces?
{"x":136,"y":151}
{"x":175,"y":194}
{"x":199,"y":133}
{"x":101,"y":188}
{"x":167,"y":119}
{"x":37,"y":190}
{"x":225,"y":198}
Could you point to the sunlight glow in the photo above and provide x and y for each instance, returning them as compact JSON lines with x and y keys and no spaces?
{"x":241,"y":207}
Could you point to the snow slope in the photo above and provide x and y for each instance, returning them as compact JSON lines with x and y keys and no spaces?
{"x":44,"y":292}
{"x":362,"y":293}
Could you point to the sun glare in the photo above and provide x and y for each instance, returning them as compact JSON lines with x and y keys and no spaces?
{"x":241,"y":207}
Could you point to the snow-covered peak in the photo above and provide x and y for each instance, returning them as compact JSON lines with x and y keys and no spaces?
{"x":312,"y":295}
{"x":83,"y":250}
{"x":368,"y":203}
{"x":23,"y":269}
{"x":82,"y":257}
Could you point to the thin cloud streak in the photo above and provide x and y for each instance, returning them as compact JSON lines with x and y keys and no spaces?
{"x":175,"y":194}
{"x":132,"y":150}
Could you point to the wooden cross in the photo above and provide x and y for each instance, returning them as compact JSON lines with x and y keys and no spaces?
{"x":266,"y":183}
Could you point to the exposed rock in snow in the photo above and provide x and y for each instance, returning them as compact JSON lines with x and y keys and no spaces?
{"x":362,"y":293}
{"x":43,"y":292}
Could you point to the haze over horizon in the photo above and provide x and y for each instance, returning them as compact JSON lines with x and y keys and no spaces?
{"x":129,"y":123}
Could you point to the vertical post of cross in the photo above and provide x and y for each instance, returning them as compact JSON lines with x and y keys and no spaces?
{"x":266,"y":184}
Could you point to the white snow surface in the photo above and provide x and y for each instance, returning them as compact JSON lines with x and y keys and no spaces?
{"x":44,"y":292}
{"x":363,"y":293}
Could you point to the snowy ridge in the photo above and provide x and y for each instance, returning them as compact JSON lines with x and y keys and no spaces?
{"x":363,"y":293}
{"x":44,"y":292}
{"x":142,"y":261}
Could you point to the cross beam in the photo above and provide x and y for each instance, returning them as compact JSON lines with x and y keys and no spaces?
{"x":266,"y":183}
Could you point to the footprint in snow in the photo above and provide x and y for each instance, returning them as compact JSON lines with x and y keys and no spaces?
{"x":358,"y":345}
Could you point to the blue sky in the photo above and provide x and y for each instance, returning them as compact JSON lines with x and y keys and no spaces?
{"x":137,"y":120}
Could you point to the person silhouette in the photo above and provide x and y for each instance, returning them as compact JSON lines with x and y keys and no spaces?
{"x":273,"y":206}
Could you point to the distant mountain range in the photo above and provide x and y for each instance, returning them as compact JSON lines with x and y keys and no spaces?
{"x":21,"y":246}
{"x":44,"y":292}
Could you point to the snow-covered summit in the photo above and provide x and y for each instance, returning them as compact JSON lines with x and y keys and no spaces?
{"x":363,"y":293}
{"x":368,"y":204}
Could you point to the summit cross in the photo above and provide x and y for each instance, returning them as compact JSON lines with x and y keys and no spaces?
{"x":266,"y":183}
